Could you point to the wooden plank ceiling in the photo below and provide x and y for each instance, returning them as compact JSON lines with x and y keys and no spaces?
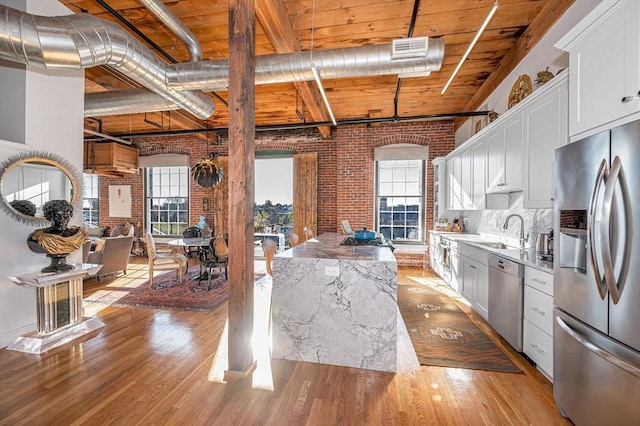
{"x":286,"y":26}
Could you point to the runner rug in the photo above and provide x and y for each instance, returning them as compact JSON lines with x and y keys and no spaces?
{"x":168,"y":293}
{"x":443,"y":335}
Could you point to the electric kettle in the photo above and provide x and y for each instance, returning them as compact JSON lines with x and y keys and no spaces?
{"x":544,"y":246}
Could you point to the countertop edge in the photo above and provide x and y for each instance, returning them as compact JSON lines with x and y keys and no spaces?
{"x":530,"y":260}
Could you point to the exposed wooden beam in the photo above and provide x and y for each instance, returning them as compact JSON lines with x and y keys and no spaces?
{"x":550,"y":13}
{"x":275,"y":21}
{"x":241,"y":187}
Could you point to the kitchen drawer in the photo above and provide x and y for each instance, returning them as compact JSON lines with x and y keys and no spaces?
{"x":541,"y":280}
{"x":538,"y":309}
{"x":538,"y":345}
{"x":475,"y":253}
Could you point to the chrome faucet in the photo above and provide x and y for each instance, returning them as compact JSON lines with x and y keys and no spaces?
{"x":523,"y":239}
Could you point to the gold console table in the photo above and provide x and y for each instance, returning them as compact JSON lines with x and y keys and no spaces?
{"x":59,"y":309}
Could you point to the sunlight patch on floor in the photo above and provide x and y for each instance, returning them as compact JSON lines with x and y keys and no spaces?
{"x":261,"y":341}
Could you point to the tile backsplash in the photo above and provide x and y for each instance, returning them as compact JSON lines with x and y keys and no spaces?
{"x":490,"y":222}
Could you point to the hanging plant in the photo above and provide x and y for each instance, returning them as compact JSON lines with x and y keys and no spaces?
{"x":208,"y":172}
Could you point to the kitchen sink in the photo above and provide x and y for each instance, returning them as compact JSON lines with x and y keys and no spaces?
{"x":494,"y":245}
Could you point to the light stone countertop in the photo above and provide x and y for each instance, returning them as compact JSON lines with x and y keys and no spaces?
{"x":335,"y":305}
{"x":527,"y":258}
{"x":327,"y":246}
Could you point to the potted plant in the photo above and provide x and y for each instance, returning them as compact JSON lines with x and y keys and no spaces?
{"x":261,"y":221}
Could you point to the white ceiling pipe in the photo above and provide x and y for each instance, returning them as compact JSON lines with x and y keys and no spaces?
{"x":83,"y":41}
{"x":295,"y":67}
{"x":172,"y":22}
{"x":130,"y":101}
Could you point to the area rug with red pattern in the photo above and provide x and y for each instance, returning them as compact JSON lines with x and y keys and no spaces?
{"x":443,"y":335}
{"x":168,"y":293}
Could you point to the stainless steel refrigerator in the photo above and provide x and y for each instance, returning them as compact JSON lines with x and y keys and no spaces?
{"x":596,"y":334}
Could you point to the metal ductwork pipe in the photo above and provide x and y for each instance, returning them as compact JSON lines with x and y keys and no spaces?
{"x":172,"y":22}
{"x":130,"y":101}
{"x":294,"y":67}
{"x":83,"y":41}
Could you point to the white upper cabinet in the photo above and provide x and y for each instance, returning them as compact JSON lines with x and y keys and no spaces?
{"x":465,"y":171}
{"x":439,"y":186}
{"x":454,"y":183}
{"x":545,"y":121}
{"x":604,"y":66}
{"x":504,"y":156}
{"x":467,"y":179}
{"x":478,"y":160}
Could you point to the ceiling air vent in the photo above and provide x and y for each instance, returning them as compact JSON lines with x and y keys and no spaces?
{"x":409,"y":47}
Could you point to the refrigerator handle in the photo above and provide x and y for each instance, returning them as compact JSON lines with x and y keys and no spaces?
{"x":605,"y":229}
{"x":584,"y":341}
{"x":600,"y":280}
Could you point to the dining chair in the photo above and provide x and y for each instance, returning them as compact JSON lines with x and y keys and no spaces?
{"x":293,"y":239}
{"x":269,"y":248}
{"x":346,"y":227}
{"x":164,"y":261}
{"x":217,"y":256}
{"x":308,"y":233}
{"x":191,"y":232}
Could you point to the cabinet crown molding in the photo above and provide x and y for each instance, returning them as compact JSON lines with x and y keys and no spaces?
{"x":540,"y":91}
{"x":590,"y":22}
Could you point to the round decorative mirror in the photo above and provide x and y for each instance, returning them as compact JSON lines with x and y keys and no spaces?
{"x":30,"y":179}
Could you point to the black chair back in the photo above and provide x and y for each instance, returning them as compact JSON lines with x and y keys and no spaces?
{"x":191,"y":232}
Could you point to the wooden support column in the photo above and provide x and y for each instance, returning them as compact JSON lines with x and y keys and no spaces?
{"x":241,"y":186}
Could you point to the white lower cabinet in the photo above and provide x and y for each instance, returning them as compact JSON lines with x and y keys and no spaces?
{"x":455,"y":265}
{"x":538,"y":319}
{"x":474,"y":284}
{"x":538,"y":346}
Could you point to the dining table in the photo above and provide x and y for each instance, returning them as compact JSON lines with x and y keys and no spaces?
{"x":199,"y":242}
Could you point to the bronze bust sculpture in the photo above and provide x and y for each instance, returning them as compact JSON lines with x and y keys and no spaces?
{"x":58,"y":240}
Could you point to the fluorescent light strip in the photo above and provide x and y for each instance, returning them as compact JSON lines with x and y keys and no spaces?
{"x":324,"y":95}
{"x":102,"y":135}
{"x":473,"y":43}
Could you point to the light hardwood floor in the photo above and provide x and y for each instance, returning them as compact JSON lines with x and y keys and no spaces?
{"x":164,"y":367}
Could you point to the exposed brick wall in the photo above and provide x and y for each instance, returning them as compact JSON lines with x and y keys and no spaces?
{"x":345,"y":167}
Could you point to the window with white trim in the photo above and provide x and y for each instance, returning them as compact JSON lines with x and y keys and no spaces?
{"x":167,"y":200}
{"x":90,"y":200}
{"x":400,"y":199}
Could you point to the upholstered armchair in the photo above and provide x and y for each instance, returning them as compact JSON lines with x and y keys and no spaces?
{"x":113,"y":254}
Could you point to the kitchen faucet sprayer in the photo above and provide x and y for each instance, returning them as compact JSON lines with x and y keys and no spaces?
{"x":523,"y":238}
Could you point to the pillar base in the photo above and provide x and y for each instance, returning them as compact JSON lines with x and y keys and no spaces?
{"x":231,"y":375}
{"x":35,"y":343}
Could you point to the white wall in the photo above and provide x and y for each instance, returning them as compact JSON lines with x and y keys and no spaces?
{"x":541,"y":56}
{"x":52,"y":117}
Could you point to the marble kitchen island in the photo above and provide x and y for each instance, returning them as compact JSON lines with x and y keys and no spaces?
{"x":335,"y":304}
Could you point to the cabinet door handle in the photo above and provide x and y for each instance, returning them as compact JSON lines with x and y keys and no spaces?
{"x":472,"y":266}
{"x":539,"y":281}
{"x":538,"y":311}
{"x":626,"y":99}
{"x":537,"y":348}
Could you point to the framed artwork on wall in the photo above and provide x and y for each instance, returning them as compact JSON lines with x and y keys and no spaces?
{"x":120,"y":200}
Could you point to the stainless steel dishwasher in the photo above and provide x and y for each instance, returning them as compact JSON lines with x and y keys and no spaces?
{"x":506,"y":293}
